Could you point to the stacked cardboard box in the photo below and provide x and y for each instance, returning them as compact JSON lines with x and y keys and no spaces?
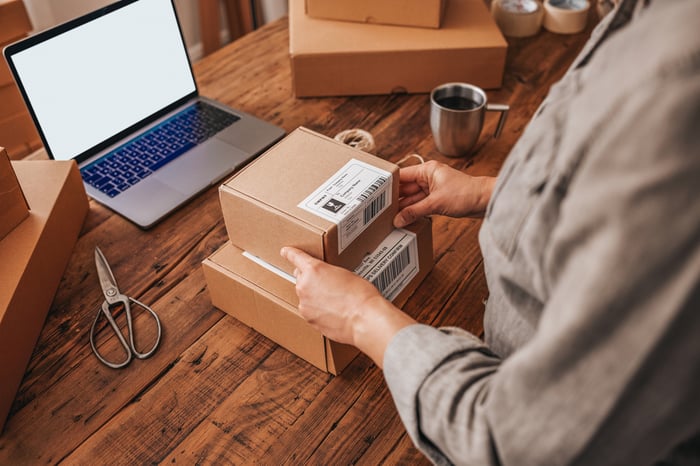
{"x":34,"y":256}
{"x":333,"y":201}
{"x":419,"y":13}
{"x":338,"y":47}
{"x":13,"y":204}
{"x":17,"y":130}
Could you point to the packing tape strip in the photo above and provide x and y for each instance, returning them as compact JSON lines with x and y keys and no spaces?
{"x":566,"y":16}
{"x":517,"y":18}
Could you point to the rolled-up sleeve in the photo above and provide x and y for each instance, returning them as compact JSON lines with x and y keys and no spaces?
{"x":612,"y":373}
{"x":432,"y":351}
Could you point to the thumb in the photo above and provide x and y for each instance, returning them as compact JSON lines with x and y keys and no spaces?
{"x":411,"y":213}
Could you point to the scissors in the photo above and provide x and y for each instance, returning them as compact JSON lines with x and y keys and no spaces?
{"x":113,"y":297}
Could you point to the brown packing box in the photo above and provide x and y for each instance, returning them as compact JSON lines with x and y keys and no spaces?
{"x":277,"y":201}
{"x":14,"y":20}
{"x":5,"y":73}
{"x":13,"y":205}
{"x":267,"y":302}
{"x":12,"y":103}
{"x":18,"y":134}
{"x":34,"y":256}
{"x":420,"y":13}
{"x":6,"y":78}
{"x":343,"y":58}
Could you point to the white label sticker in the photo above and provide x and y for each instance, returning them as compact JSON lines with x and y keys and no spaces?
{"x":393,"y":264}
{"x":352,"y":199}
{"x":389,"y":268}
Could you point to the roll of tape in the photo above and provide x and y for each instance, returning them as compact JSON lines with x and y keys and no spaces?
{"x":566,"y":16}
{"x":517,"y":18}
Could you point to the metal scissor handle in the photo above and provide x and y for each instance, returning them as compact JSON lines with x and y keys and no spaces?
{"x":130,"y":347}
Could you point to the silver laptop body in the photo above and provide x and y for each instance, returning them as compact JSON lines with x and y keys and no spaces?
{"x":117,"y":84}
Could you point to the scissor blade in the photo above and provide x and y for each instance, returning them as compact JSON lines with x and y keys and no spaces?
{"x":104,"y":272}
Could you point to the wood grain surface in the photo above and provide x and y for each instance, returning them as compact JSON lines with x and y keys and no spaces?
{"x":216,"y":392}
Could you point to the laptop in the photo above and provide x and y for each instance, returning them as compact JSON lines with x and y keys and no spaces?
{"x":114,"y":90}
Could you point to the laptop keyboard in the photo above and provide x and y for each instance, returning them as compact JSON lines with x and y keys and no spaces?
{"x":128,"y":164}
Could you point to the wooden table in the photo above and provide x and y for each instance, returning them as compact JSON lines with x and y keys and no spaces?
{"x":216,"y":391}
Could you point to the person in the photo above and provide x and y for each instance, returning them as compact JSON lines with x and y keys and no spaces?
{"x":591,"y":249}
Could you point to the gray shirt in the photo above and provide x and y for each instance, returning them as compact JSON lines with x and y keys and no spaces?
{"x":591,"y":248}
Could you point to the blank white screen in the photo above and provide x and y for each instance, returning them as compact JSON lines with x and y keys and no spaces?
{"x":91,"y":82}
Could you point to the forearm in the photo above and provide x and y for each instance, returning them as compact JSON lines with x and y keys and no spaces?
{"x":375,"y":326}
{"x":483,"y":196}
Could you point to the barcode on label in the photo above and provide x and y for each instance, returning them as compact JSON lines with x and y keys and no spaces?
{"x":395,"y":267}
{"x":374,"y":208}
{"x":368,"y":192}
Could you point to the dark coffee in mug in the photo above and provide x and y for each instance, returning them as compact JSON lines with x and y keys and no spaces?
{"x":457,"y":116}
{"x":457,"y":102}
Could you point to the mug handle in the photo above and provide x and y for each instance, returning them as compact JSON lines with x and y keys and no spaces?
{"x":503,"y":108}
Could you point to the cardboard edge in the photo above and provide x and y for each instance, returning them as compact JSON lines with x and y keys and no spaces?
{"x":432,"y":21}
{"x":71,"y":190}
{"x":261,"y":297}
{"x":306,"y":64}
{"x":269,"y":208}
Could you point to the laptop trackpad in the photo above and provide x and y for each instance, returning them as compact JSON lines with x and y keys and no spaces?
{"x":201,"y":166}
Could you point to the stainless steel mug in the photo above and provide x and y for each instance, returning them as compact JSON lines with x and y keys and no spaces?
{"x":457,"y":117}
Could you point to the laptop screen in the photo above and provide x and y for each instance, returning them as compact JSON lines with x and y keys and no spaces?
{"x":100,"y":78}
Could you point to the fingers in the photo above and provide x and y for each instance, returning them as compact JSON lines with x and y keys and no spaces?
{"x":412,"y":199}
{"x":298,"y":258}
{"x":412,"y":213}
{"x":409,"y":189}
{"x":411,"y":174}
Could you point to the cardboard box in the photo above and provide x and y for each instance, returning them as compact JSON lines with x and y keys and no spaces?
{"x":14,"y":20}
{"x":331,"y":58}
{"x":314,"y":193}
{"x":13,"y":204}
{"x":12,"y":102}
{"x":34,"y":257}
{"x":17,"y":134}
{"x":6,"y":78}
{"x":419,"y":13}
{"x":267,"y":302}
{"x":5,"y":75}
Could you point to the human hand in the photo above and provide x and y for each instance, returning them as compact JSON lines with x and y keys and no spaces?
{"x":343,"y":306}
{"x":436,"y":188}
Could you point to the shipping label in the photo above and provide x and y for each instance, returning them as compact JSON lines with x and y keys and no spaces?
{"x":393,"y":264}
{"x":389,"y":268}
{"x":352,"y":198}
